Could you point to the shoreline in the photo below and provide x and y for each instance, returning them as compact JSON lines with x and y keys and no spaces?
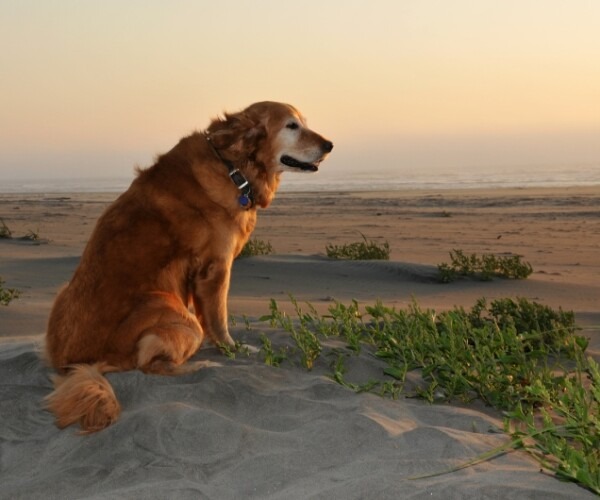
{"x":283,"y":190}
{"x":553,"y":176}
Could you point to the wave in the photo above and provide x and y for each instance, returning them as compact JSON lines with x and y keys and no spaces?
{"x":350,"y":181}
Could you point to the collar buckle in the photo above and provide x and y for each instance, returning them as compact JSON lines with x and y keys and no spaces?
{"x":238,"y":178}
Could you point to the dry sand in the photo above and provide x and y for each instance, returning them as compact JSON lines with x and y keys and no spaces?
{"x":244,"y":430}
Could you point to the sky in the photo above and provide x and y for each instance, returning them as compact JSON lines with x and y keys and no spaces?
{"x":92,"y":89}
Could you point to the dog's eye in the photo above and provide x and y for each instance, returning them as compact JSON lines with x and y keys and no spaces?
{"x":292,"y":125}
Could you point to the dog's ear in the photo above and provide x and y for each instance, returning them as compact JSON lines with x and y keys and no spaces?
{"x":238,"y":132}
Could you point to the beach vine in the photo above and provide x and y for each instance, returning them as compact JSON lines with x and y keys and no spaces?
{"x":32,"y":236}
{"x":516,"y":355}
{"x":255,"y":247}
{"x":7,"y":295}
{"x":360,"y":250}
{"x":5,"y":231}
{"x":484,"y":267}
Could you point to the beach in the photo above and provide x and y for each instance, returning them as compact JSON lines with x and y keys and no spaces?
{"x":244,"y":429}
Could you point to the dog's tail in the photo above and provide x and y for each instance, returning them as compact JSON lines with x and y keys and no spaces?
{"x":84,"y":395}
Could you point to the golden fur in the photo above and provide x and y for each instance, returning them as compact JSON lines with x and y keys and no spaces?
{"x":154,"y":277}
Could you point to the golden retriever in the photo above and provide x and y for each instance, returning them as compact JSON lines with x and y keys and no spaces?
{"x":154,"y":277}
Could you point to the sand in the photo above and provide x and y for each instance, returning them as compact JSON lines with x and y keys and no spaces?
{"x":246,"y":430}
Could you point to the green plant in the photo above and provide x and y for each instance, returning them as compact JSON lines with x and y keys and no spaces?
{"x":270,"y":356}
{"x":256,"y":247}
{"x":5,"y":231}
{"x":7,"y":294}
{"x":564,"y":434}
{"x":305,"y":339}
{"x":231,"y":352}
{"x":31,"y":235}
{"x":485,"y":267}
{"x":518,"y":356}
{"x":339,"y":370}
{"x":361,"y":250}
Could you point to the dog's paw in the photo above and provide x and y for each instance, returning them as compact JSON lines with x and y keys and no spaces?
{"x":227,"y":340}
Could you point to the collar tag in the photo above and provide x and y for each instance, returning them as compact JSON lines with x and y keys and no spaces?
{"x":244,"y":201}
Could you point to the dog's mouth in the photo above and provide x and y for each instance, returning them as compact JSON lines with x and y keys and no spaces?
{"x":305,"y":167}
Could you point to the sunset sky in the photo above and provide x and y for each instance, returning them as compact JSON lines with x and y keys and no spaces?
{"x":92,"y":88}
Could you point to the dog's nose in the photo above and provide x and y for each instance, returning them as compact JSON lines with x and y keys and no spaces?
{"x":327,"y":146}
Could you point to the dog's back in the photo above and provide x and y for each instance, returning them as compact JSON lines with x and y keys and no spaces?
{"x":140,"y":244}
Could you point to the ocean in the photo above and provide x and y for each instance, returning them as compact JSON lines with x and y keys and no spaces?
{"x":351,"y":181}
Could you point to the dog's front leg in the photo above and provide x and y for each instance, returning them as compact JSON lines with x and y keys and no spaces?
{"x":210,"y":289}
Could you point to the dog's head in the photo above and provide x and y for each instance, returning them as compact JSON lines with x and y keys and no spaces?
{"x":264,"y":140}
{"x":273,"y":135}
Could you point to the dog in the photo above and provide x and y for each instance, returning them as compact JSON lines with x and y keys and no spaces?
{"x":154,"y":277}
